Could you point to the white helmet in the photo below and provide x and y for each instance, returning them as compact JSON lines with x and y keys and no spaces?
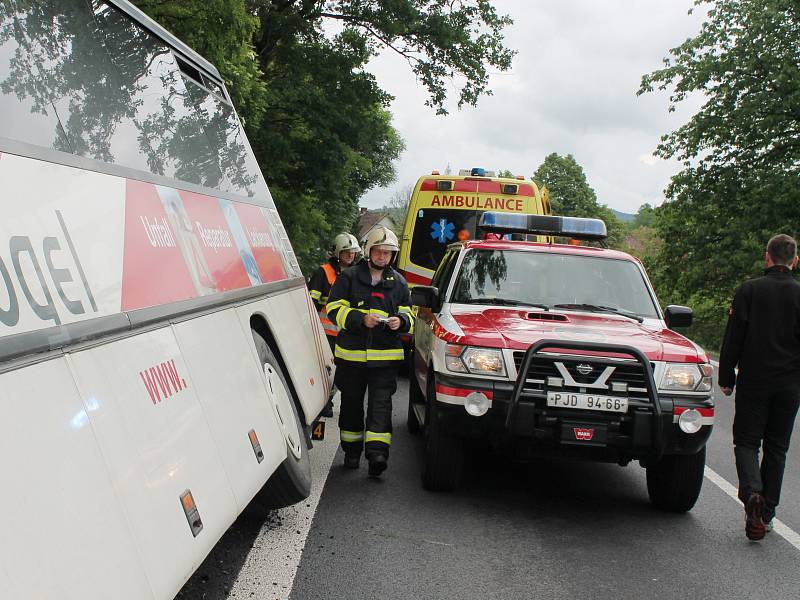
{"x":344,"y":242}
{"x":381,"y":236}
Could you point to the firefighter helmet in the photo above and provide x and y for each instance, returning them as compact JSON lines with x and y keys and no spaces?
{"x":344,"y":242}
{"x":381,"y":236}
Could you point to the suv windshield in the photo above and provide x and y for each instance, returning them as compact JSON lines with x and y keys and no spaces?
{"x":508,"y":277}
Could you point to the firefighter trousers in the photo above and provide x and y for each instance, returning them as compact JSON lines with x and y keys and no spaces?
{"x":379,"y":383}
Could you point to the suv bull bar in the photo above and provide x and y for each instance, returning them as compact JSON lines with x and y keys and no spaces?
{"x":535,"y":351}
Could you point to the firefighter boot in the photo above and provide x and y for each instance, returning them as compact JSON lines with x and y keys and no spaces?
{"x":377,"y":465}
{"x":351,"y":460}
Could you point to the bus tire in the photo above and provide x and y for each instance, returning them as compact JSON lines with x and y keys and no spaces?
{"x":674,"y":482}
{"x":291,"y":481}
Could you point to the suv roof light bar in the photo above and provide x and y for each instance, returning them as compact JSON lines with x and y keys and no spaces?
{"x":573,"y":227}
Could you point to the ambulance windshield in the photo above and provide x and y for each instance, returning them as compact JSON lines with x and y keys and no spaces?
{"x":435,"y":229}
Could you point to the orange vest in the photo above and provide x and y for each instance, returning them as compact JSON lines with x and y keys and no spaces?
{"x":328,"y":325}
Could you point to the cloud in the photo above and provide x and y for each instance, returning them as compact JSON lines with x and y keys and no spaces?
{"x":572,"y":90}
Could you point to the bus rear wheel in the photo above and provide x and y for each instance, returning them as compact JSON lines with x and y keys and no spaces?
{"x":291,"y":481}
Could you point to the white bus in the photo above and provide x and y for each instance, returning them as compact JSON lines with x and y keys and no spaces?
{"x":160,"y":360}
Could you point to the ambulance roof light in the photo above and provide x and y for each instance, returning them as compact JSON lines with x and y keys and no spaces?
{"x":521,"y":177}
{"x":434,"y":172}
{"x":476,"y":172}
{"x":573,"y":227}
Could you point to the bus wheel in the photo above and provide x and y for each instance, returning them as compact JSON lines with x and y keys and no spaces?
{"x":291,"y":481}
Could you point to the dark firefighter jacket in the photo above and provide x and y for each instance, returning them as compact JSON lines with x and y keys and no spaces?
{"x":318,"y":284}
{"x":763,"y":333}
{"x":352,"y":297}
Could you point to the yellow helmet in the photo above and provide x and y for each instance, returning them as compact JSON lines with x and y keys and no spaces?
{"x":344,"y":242}
{"x":381,"y":236}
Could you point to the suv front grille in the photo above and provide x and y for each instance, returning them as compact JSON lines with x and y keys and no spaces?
{"x":542,"y":367}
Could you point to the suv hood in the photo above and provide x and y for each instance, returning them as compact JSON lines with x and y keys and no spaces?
{"x":518,"y":328}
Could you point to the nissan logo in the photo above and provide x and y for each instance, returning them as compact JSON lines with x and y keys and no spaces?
{"x":584,"y":369}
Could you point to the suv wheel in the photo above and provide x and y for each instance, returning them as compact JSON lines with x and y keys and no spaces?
{"x":414,"y":397}
{"x":674,"y":482}
{"x":444,"y":454}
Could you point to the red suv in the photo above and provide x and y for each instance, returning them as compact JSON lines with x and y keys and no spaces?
{"x":557,"y":349}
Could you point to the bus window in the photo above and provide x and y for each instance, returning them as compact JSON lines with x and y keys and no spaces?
{"x":105,"y":89}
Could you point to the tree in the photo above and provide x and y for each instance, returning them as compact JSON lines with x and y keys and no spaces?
{"x":645,"y":216}
{"x":572,"y":196}
{"x":318,"y":122}
{"x":741,"y":152}
{"x":398,"y":205}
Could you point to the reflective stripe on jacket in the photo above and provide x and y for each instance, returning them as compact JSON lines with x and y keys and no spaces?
{"x":354,"y":296}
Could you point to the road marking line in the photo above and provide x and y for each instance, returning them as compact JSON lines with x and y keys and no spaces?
{"x":779,"y":526}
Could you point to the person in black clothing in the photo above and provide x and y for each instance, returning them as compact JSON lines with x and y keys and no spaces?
{"x":344,"y":252}
{"x":763,"y":338}
{"x":371,"y":305}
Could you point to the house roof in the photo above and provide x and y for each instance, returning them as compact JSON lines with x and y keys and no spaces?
{"x":369,"y":219}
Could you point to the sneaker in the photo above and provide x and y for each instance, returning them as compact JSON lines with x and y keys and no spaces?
{"x":377,"y":465}
{"x":769,"y":525}
{"x":351,"y":461}
{"x":328,"y":410}
{"x":754,"y":526}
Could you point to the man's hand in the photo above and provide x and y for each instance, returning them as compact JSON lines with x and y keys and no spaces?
{"x":394,"y":323}
{"x":726,"y":390}
{"x":371,"y":320}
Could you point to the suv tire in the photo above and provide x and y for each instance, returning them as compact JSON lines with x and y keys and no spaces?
{"x":443,"y":461}
{"x":674,"y":482}
{"x":414,"y":397}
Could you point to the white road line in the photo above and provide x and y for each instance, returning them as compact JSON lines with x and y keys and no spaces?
{"x":780,"y":527}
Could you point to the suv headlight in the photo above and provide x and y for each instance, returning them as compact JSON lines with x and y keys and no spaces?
{"x":687,"y":377}
{"x":480,"y":361}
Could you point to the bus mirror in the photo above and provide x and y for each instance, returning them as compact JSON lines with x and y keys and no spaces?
{"x":426,"y":296}
{"x":678,"y":316}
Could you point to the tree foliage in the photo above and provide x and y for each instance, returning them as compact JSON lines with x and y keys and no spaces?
{"x":741,"y":152}
{"x":572,"y":196}
{"x":318,"y":121}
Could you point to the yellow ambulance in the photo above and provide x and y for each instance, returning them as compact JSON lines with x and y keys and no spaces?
{"x":446,"y":209}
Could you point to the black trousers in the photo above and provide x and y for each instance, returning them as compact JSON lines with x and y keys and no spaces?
{"x":763,"y":419}
{"x":379,"y":383}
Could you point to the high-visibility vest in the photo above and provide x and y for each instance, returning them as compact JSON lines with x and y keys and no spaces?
{"x":328,"y":325}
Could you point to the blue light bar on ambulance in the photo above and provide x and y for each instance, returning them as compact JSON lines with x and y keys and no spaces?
{"x":572,"y":227}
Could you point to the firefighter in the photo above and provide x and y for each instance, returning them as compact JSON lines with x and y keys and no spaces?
{"x":371,"y":305}
{"x":344,"y":252}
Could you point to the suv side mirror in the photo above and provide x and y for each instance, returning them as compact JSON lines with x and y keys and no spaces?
{"x":426,"y":296}
{"x":678,"y":316}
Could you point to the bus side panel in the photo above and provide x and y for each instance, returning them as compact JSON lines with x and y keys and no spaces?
{"x":64,"y":532}
{"x":157,"y":443}
{"x":298,"y":334}
{"x":224,"y":367}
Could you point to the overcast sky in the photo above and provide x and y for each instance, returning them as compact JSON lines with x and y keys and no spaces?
{"x":571,"y":90}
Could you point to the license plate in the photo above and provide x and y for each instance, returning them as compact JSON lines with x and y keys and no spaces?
{"x":587,"y":401}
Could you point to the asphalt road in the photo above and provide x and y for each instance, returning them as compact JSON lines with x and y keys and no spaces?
{"x":554,"y":529}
